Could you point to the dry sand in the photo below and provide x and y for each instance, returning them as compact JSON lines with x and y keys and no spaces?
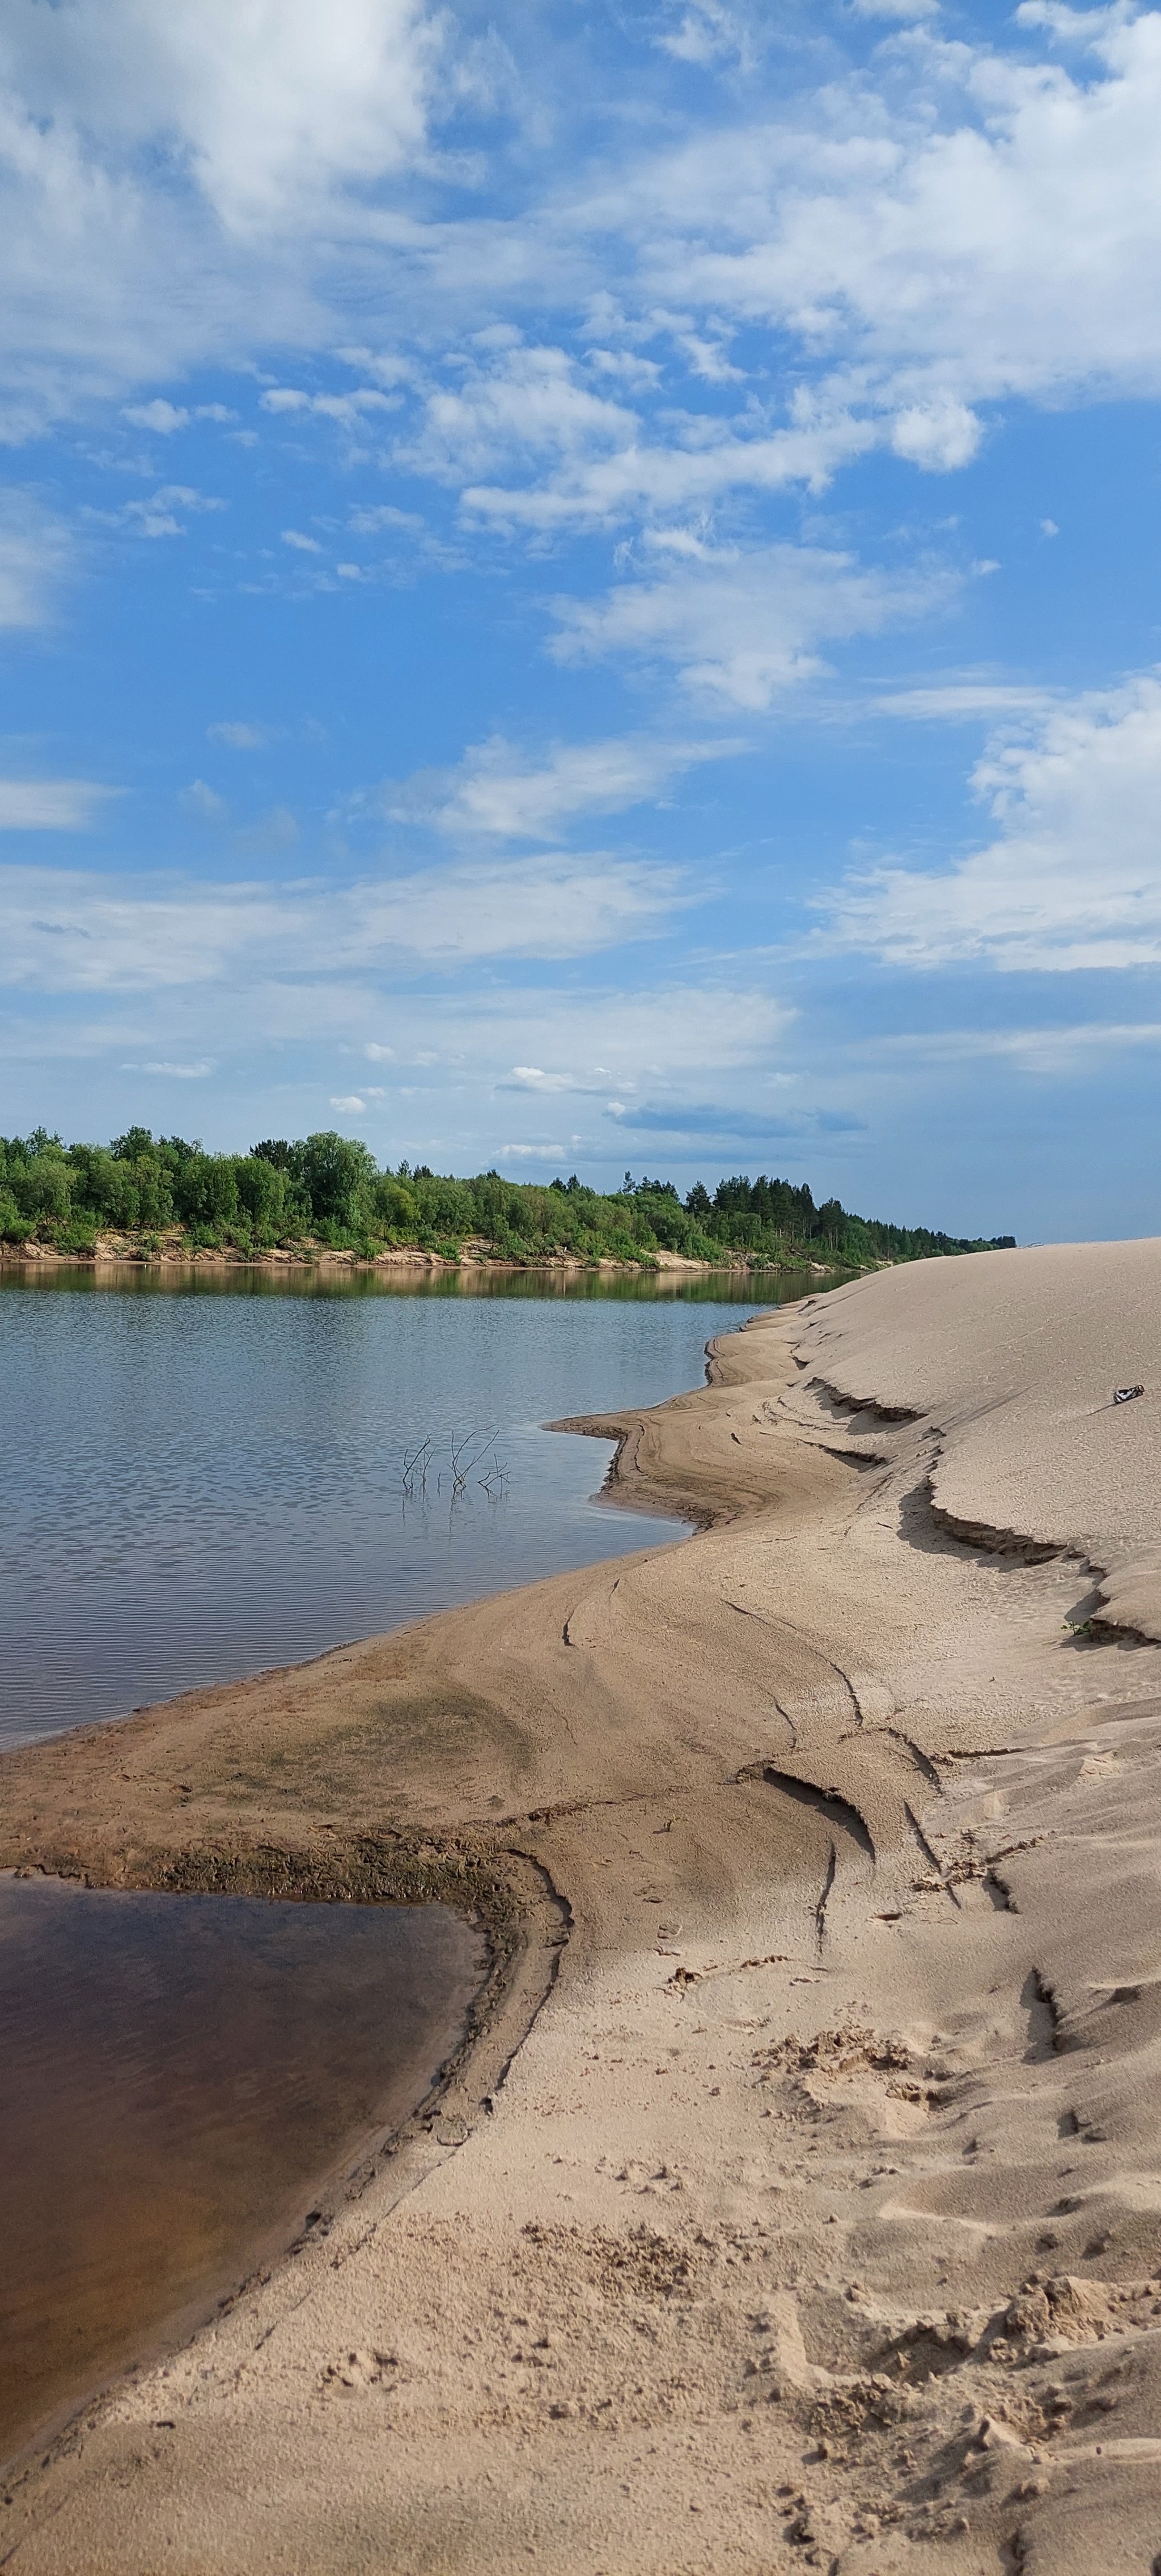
{"x":809,"y":2214}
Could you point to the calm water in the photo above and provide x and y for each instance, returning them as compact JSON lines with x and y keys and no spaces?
{"x":202,"y":1478}
{"x":179,"y":2078}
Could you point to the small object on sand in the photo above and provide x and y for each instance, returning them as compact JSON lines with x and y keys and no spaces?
{"x":1125,"y":1394}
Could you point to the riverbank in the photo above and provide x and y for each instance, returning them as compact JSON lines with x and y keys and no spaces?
{"x":798,"y":2203}
{"x":175,"y":1253}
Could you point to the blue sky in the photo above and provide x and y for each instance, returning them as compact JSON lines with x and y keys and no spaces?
{"x":580,"y":589}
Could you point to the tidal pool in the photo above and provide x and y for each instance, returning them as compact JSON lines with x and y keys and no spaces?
{"x":181,"y":2077}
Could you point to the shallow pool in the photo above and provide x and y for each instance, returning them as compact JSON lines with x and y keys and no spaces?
{"x":180,"y":2076}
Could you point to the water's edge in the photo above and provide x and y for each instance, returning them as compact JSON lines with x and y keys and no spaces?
{"x":308,"y":2209}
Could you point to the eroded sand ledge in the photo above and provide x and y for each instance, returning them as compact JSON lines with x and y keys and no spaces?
{"x":811,"y":2213}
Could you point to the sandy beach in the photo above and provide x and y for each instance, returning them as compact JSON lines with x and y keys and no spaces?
{"x":797,"y":2200}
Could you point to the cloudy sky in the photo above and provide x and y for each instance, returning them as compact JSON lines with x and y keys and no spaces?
{"x":579,"y":588}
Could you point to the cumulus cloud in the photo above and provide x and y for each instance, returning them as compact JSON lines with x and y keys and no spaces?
{"x":159,"y":416}
{"x":173,"y":181}
{"x":996,"y":234}
{"x":156,"y":515}
{"x":266,"y":110}
{"x":512,"y":400}
{"x":742,"y":625}
{"x":705,"y":32}
{"x":204,"y":182}
{"x":346,"y":408}
{"x":1072,"y":876}
{"x":684,"y":466}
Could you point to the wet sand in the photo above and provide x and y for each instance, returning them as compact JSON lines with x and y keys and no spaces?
{"x":799,"y":2203}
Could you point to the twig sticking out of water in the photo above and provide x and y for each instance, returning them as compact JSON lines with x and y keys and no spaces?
{"x":416,"y":1462}
{"x":468,"y":1451}
{"x":473,"y":1459}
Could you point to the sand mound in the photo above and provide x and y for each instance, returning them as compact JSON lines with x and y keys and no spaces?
{"x":1012,"y":1361}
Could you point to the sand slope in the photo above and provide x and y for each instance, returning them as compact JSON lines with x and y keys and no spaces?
{"x":816,"y":2220}
{"x":1014,"y":1357}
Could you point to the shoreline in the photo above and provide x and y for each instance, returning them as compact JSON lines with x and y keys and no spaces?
{"x":799,"y":2200}
{"x":122,"y":1254}
{"x":277,"y":2236}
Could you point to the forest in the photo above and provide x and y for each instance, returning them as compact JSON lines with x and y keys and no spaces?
{"x":326,"y":1192}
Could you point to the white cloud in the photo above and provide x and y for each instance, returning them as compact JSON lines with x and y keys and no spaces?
{"x":50,"y":804}
{"x":376,"y":521}
{"x":200,"y":799}
{"x":203,"y":182}
{"x":956,"y":701}
{"x":533,"y":1078}
{"x":995,"y":232}
{"x":537,"y":907}
{"x":616,"y":1042}
{"x":351,"y":1102}
{"x":238,"y":993}
{"x":36,"y":554}
{"x":348,"y":408}
{"x":1048,"y":1052}
{"x":206,"y":182}
{"x":1073,"y":875}
{"x":742,"y":626}
{"x":302,"y":545}
{"x":240,"y":737}
{"x":498,"y":792}
{"x":160,"y":416}
{"x":896,"y":8}
{"x":182,"y":1072}
{"x":512,"y":401}
{"x":938,"y":435}
{"x":174,"y":181}
{"x":706,"y":31}
{"x":156,"y":516}
{"x":696,"y":466}
{"x":67,"y":932}
{"x":267,"y":110}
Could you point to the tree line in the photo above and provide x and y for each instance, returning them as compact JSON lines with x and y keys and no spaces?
{"x":327,"y":1191}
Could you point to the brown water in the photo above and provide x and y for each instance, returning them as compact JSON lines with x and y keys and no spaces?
{"x":179,"y":2077}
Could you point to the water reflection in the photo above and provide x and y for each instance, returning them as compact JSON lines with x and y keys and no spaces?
{"x":171,"y":1278}
{"x":205,"y":1473}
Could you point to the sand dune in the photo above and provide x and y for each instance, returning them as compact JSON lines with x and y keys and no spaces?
{"x":800,"y":2203}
